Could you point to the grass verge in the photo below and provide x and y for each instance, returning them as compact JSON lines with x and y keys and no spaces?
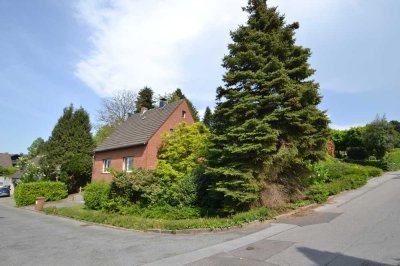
{"x":139,"y":223}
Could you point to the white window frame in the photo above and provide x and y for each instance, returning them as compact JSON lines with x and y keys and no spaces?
{"x":126,"y":160}
{"x":183,"y":114}
{"x":106,"y":162}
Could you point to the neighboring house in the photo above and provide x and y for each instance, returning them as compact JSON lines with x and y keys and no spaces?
{"x":5,"y":161}
{"x":135,"y":143}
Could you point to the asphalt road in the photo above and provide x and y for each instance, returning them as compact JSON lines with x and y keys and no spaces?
{"x":360,"y":227}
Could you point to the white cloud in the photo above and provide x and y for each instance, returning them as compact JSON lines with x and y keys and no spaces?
{"x":343,"y":127}
{"x":137,"y":42}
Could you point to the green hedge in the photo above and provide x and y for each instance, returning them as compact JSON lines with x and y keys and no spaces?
{"x":382,"y":164}
{"x":26,"y":193}
{"x":392,"y":160}
{"x":337,"y":177}
{"x":96,"y":195}
{"x":320,"y":192}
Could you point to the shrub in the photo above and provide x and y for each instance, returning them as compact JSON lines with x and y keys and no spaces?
{"x":96,"y":195}
{"x":140,"y":187}
{"x":357,"y":153}
{"x":373,"y":171}
{"x":392,"y":159}
{"x":382,"y":164}
{"x":26,"y":193}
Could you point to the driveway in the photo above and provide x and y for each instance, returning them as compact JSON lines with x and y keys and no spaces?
{"x":360,"y":227}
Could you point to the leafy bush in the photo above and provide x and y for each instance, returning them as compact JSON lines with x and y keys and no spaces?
{"x":140,"y":187}
{"x":340,"y":177}
{"x":373,"y":171}
{"x":96,"y":195}
{"x":392,"y":160}
{"x":382,"y":164}
{"x":357,"y":153}
{"x":26,"y":193}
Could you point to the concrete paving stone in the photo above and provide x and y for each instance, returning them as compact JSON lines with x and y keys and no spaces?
{"x":261,"y":250}
{"x":222,"y":259}
{"x":310,"y":218}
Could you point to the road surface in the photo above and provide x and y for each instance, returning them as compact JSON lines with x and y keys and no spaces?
{"x":360,"y":227}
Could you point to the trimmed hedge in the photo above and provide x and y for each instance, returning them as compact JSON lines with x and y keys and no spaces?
{"x":26,"y":193}
{"x":320,"y":192}
{"x":340,"y":176}
{"x":392,"y":160}
{"x":96,"y":195}
{"x":375,"y":163}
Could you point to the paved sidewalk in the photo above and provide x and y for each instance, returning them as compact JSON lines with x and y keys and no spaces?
{"x":71,"y":200}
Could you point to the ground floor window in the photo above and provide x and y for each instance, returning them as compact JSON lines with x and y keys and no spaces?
{"x":106,"y":165}
{"x":128,"y":164}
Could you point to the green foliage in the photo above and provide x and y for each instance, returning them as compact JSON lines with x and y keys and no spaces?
{"x":178,"y":95}
{"x":141,"y":187}
{"x":68,"y":152}
{"x":268,"y":105}
{"x":7,"y":171}
{"x":320,"y":192}
{"x":139,"y":223}
{"x":31,"y":170}
{"x":36,"y":148}
{"x":102,"y":134}
{"x":337,"y":177}
{"x":348,"y":139}
{"x":392,"y":160}
{"x":96,"y":195}
{"x":381,"y":164}
{"x":182,"y":151}
{"x":145,"y":99}
{"x":357,"y":153}
{"x":208,"y":118}
{"x":26,"y":193}
{"x":163,"y":212}
{"x":379,"y":137}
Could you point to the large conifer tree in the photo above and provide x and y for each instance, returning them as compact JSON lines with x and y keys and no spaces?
{"x":266,"y":112}
{"x":178,"y":95}
{"x":68,"y":151}
{"x":145,"y":99}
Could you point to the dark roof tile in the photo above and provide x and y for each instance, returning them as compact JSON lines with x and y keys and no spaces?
{"x":138,"y":128}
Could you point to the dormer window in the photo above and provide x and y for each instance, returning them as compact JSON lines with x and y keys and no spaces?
{"x":183,"y":114}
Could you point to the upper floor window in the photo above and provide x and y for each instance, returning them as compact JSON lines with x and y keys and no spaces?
{"x":128,"y":164}
{"x":106,"y":165}
{"x":183,"y":114}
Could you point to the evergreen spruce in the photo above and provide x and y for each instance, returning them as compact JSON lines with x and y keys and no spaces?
{"x":145,"y":99}
{"x":178,"y":95}
{"x":266,"y":119}
{"x":207,"y":118}
{"x":68,"y":151}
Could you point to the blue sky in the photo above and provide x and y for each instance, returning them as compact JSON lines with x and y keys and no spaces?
{"x":55,"y":52}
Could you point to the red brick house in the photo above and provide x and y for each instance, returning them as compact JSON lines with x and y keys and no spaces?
{"x":135,"y":143}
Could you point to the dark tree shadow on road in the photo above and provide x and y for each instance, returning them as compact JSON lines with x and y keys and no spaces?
{"x":331,"y":258}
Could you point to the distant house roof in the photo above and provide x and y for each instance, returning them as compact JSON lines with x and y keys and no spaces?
{"x":139,"y":128}
{"x":5,"y":160}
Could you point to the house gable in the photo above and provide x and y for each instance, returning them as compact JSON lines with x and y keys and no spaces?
{"x":144,"y":153}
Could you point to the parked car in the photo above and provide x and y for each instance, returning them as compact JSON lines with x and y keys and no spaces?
{"x":5,"y":191}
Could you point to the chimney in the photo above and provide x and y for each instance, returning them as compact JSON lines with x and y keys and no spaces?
{"x":163,"y":102}
{"x":143,"y":110}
